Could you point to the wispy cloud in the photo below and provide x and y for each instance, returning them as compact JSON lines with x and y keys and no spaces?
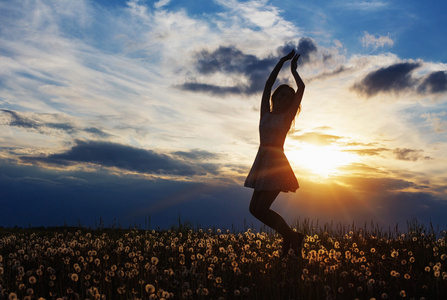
{"x":365,"y":6}
{"x":50,"y":124}
{"x":376,"y":41}
{"x":159,"y":4}
{"x":317,"y":138}
{"x":438,"y":121}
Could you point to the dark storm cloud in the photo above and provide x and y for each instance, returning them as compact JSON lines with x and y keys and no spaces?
{"x":395,"y":78}
{"x":410,"y":154}
{"x":44,"y":126}
{"x":435,"y":82}
{"x":398,"y":78}
{"x":306,"y":47}
{"x":232,"y":61}
{"x":125,"y":157}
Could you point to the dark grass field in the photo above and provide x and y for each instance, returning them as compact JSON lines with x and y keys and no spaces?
{"x":190,"y":263}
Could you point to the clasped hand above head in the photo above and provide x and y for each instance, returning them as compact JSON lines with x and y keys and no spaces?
{"x":292,"y":56}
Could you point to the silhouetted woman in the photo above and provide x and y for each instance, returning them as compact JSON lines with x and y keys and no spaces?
{"x":271,"y":172}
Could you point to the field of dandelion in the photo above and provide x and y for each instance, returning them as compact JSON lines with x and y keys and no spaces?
{"x":336,"y":262}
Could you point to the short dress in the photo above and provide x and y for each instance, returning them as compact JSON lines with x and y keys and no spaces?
{"x":271,"y":170}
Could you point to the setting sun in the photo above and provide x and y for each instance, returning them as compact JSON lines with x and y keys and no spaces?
{"x":320,"y":160}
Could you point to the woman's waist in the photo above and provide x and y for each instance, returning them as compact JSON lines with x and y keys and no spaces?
{"x":271,"y":146}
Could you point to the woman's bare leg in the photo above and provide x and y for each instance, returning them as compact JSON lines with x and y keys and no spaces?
{"x":260,"y":208}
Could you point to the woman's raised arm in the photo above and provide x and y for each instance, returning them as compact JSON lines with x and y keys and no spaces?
{"x":265,"y":102}
{"x":300,"y":84}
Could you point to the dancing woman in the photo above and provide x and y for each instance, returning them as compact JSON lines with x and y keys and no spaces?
{"x":271,"y":172}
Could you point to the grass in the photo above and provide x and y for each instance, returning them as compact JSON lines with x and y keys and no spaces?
{"x":337,"y":262}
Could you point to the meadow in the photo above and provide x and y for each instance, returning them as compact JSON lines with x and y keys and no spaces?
{"x":337,"y":262}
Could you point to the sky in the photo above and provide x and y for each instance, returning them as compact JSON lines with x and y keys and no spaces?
{"x":145,"y":113}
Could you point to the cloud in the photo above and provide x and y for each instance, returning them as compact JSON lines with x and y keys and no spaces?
{"x":306,"y":47}
{"x":376,"y":41}
{"x":129,"y":158}
{"x":435,"y":82}
{"x":50,"y":124}
{"x":399,"y":77}
{"x":437,"y":120}
{"x":76,"y":196}
{"x":317,"y":138}
{"x":45,"y":197}
{"x":400,"y":153}
{"x":368,"y":151}
{"x":196,"y":154}
{"x":231,"y":61}
{"x":410,"y":154}
{"x":395,"y":78}
{"x":326,"y":75}
{"x":362,"y":169}
{"x":364,"y":6}
{"x":161,"y":3}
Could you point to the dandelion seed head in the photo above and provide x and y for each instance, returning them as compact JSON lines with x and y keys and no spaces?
{"x":12,"y":296}
{"x":150,"y":289}
{"x":154,"y":260}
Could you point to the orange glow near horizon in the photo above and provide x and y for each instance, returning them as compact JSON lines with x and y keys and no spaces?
{"x":322,"y":161}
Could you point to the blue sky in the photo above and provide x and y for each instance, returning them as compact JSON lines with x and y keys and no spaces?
{"x":131,"y":111}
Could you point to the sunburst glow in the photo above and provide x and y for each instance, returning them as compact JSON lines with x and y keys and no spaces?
{"x":320,"y":160}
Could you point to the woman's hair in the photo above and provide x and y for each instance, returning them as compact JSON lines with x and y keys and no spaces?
{"x":281,"y":87}
{"x":275,"y":93}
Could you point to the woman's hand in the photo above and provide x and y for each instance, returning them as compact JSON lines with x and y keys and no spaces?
{"x":288,"y":56}
{"x":294,"y":62}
